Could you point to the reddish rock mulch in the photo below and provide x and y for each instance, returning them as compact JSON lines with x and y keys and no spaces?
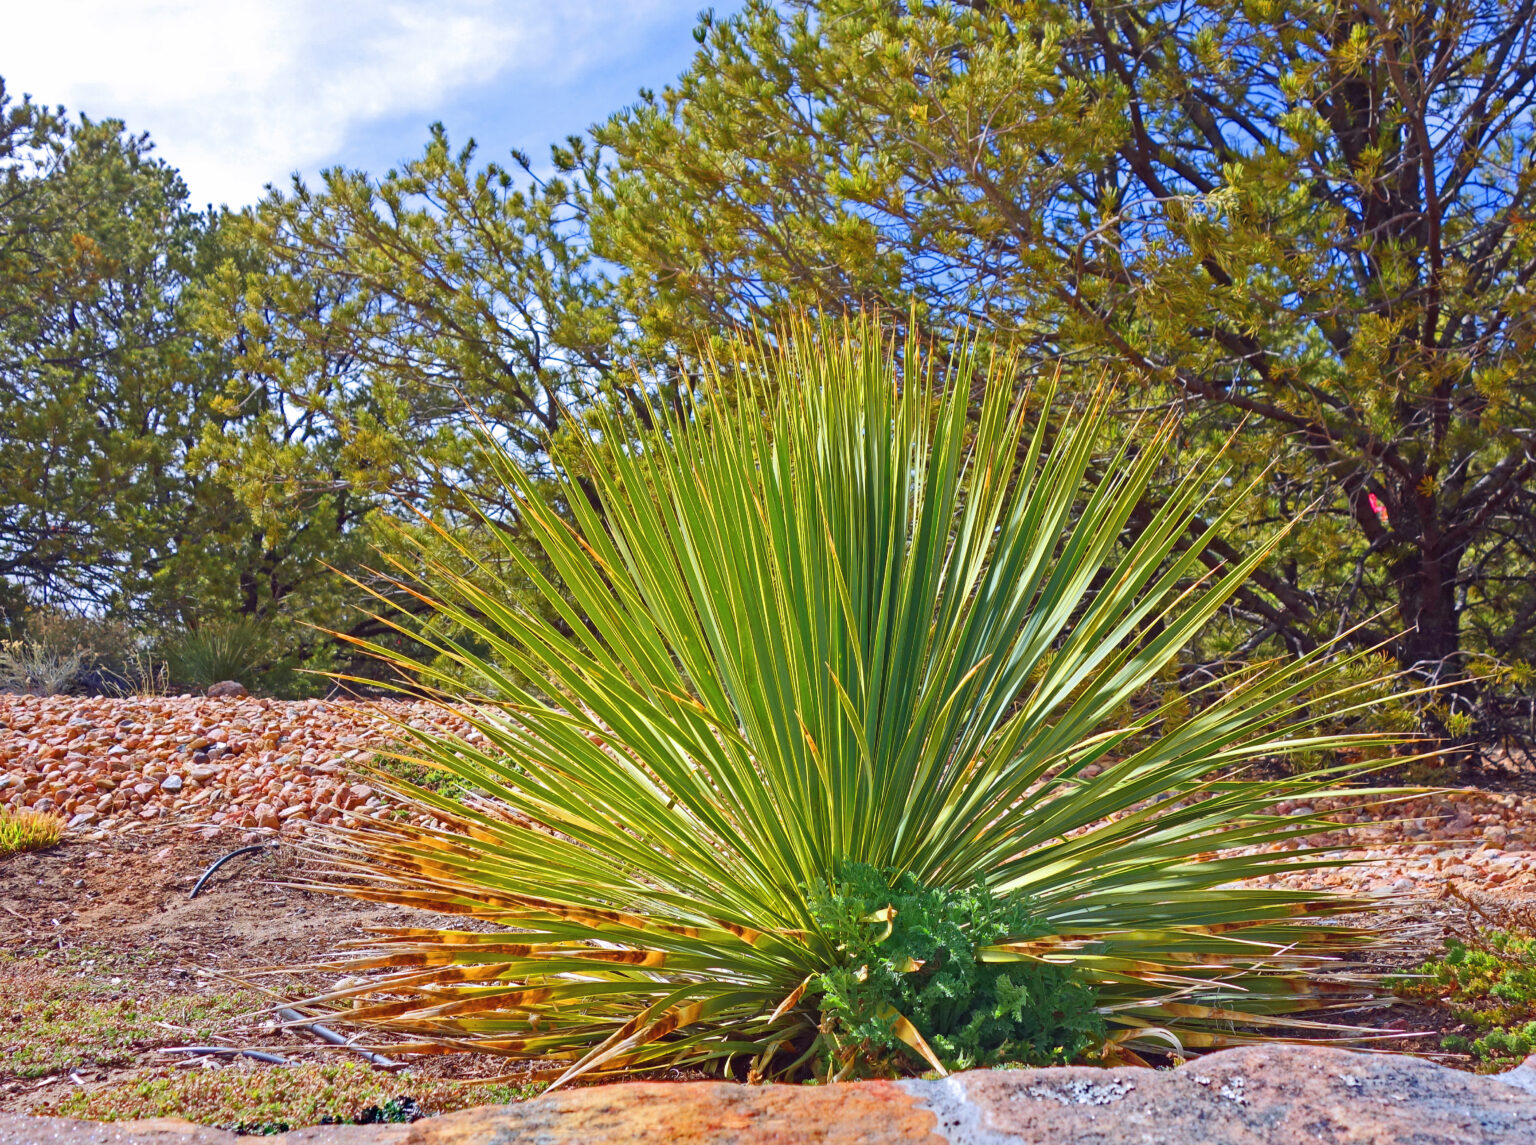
{"x":115,"y":765}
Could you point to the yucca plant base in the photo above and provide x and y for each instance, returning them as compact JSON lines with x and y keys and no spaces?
{"x":829,"y":765}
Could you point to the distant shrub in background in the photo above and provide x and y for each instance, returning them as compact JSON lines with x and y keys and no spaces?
{"x":215,"y":651}
{"x":26,"y":666}
{"x":53,"y":651}
{"x":246,"y":651}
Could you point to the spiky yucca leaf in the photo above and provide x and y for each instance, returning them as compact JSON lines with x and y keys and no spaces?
{"x":887,"y":622}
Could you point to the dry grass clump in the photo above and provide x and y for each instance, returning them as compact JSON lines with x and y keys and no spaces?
{"x":27,"y":830}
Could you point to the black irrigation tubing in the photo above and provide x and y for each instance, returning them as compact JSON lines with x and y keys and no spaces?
{"x":325,"y":1034}
{"x":272,"y":1059}
{"x":221,"y":861}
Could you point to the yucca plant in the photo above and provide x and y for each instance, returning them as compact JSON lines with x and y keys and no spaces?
{"x":833,"y":764}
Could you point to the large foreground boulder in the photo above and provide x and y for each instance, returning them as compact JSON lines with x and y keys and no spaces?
{"x":1270,"y":1095}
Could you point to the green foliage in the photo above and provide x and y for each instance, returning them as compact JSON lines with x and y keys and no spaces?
{"x":877,"y":620}
{"x":1489,"y":983}
{"x":146,"y":478}
{"x":1278,"y":223}
{"x":1230,"y":207}
{"x":22,"y":829}
{"x":103,"y":386}
{"x":912,"y":950}
{"x":372,"y":327}
{"x":398,"y":315}
{"x":1499,"y":1046}
{"x":417,"y":776}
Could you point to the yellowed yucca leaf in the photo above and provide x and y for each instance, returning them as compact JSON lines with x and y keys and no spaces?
{"x":468,"y":1003}
{"x":791,"y":1000}
{"x":632,"y":1036}
{"x":909,"y":1034}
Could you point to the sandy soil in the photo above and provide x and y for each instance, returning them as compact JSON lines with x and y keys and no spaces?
{"x":113,"y":917}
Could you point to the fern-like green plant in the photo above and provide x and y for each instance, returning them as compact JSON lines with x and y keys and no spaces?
{"x":868,"y":639}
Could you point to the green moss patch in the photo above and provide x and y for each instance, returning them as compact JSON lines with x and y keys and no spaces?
{"x":273,"y":1099}
{"x":55,"y":1019}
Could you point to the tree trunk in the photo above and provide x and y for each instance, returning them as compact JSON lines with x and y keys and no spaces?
{"x":1430,"y":647}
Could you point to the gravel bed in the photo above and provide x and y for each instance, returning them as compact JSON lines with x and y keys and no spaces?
{"x":113,"y":765}
{"x":125,"y":765}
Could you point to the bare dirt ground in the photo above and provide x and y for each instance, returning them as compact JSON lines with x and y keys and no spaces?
{"x":103,"y":955}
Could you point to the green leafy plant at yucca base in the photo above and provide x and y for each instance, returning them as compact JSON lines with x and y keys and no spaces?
{"x":854,"y":617}
{"x":911,"y":950}
{"x":1489,"y":983}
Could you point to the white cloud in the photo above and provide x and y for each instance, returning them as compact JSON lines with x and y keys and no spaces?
{"x":239,"y":93}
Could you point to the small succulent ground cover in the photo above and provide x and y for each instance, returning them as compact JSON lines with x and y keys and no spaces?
{"x":1489,"y":983}
{"x":83,"y":1016}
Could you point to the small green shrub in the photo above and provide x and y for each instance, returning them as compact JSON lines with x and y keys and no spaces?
{"x":1497,"y":1046}
{"x":912,"y":950}
{"x":217,"y":651}
{"x":1489,"y":984}
{"x":26,"y":830}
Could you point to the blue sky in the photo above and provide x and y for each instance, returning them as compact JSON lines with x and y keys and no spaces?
{"x":240,"y":93}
